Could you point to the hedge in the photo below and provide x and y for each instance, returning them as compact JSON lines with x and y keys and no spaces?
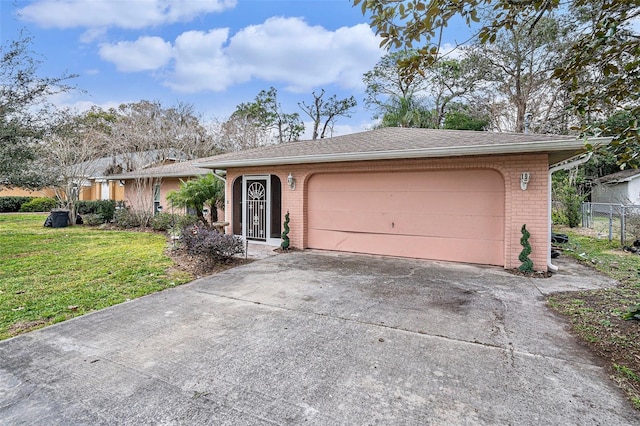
{"x":39,"y":205}
{"x":103,"y":208}
{"x":12,"y":204}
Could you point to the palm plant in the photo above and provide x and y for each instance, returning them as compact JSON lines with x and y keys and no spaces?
{"x":206,"y":191}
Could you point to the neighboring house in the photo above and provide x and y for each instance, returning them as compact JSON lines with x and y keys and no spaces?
{"x":99,"y":183}
{"x":96,"y":182}
{"x":421,"y":193}
{"x":619,"y":188}
{"x":147,"y":189}
{"x":20,"y":192}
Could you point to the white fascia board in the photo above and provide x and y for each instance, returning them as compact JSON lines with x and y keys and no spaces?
{"x":456,"y":151}
{"x":155,"y":176}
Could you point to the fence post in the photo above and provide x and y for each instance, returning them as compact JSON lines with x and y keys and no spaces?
{"x":587,"y":214}
{"x":622,"y":226}
{"x":610,"y":222}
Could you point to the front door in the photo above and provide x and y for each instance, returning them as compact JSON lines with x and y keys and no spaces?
{"x":256,"y":209}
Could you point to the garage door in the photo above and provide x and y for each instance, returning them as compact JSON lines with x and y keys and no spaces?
{"x":454,"y":215}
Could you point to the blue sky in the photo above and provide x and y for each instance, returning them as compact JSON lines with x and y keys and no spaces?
{"x":214,"y":54}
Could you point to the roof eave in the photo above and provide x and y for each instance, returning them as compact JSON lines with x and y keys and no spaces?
{"x":160,"y":175}
{"x":573,"y":145}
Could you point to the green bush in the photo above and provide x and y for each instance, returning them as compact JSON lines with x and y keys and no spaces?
{"x":125,"y":218}
{"x":103,"y":208}
{"x":572,"y":202}
{"x":13,"y":204}
{"x":558,"y":217}
{"x":39,"y":205}
{"x":186,"y":220}
{"x":163,"y":221}
{"x":527,"y":264}
{"x":176,"y":222}
{"x":285,"y":234}
{"x":92,"y":219}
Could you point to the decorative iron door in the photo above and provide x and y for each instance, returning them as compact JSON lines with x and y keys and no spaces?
{"x":256,"y":213}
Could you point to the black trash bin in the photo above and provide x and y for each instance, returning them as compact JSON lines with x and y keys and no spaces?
{"x":59,"y":218}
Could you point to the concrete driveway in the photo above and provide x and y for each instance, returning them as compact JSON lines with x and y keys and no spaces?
{"x":320,"y":339}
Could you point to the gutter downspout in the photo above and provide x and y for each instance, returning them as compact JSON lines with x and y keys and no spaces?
{"x":563,"y":165}
{"x":215,"y":174}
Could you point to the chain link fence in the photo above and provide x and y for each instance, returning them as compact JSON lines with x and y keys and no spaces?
{"x":612,"y":221}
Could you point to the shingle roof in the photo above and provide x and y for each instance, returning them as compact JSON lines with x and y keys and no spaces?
{"x":621,"y":176}
{"x":181,"y":169}
{"x":98,"y":168}
{"x":393,"y":142}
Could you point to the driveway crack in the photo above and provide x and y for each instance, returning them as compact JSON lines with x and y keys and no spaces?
{"x":508,"y":350}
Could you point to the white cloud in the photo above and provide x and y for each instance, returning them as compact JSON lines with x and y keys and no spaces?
{"x":144,"y":54}
{"x":93,"y":34}
{"x":123,"y":14}
{"x":337,"y":130}
{"x":286,"y":51}
{"x":70,"y":100}
{"x":291,"y":51}
{"x":450,"y":51}
{"x":201,"y":64}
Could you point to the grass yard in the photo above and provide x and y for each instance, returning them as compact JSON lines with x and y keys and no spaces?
{"x":50,"y":275}
{"x":596,"y":316}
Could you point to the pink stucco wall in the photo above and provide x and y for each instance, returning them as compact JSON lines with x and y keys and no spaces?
{"x":520,"y":207}
{"x":142,"y":199}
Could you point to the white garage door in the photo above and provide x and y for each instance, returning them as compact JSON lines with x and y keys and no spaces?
{"x":454,"y":215}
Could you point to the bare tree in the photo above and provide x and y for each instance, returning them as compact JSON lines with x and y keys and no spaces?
{"x":71,"y":153}
{"x":324,"y":112}
{"x":145,"y":134}
{"x":518,"y":67}
{"x":238,"y":133}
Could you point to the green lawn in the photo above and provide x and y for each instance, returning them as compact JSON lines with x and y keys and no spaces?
{"x":49,"y":275}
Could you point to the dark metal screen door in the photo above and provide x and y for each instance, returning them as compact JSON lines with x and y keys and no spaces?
{"x":256,"y":213}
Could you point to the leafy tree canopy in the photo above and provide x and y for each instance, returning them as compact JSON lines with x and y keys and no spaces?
{"x":601,"y":68}
{"x":24,"y":114}
{"x":266,"y":114}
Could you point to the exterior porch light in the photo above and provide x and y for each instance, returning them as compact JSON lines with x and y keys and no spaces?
{"x":291,"y":181}
{"x":524,"y":180}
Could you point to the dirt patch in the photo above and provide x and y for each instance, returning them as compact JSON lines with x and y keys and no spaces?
{"x":23,"y":326}
{"x":288,"y":250}
{"x":595,"y":317}
{"x":200,"y":266}
{"x":534,"y":274}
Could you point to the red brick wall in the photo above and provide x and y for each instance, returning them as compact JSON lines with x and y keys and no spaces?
{"x":528,"y":207}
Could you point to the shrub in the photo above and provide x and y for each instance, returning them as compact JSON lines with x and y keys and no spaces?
{"x":572,"y":202}
{"x":208,"y":242}
{"x":125,"y":218}
{"x":103,"y":208}
{"x":527,"y":264}
{"x":92,"y":219}
{"x":174,"y":222}
{"x":163,"y":221}
{"x":285,"y":234}
{"x":39,"y":205}
{"x":186,"y":220}
{"x":13,"y":204}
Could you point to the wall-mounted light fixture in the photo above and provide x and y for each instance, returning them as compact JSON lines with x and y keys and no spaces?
{"x":291,"y":182}
{"x":524,"y":180}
